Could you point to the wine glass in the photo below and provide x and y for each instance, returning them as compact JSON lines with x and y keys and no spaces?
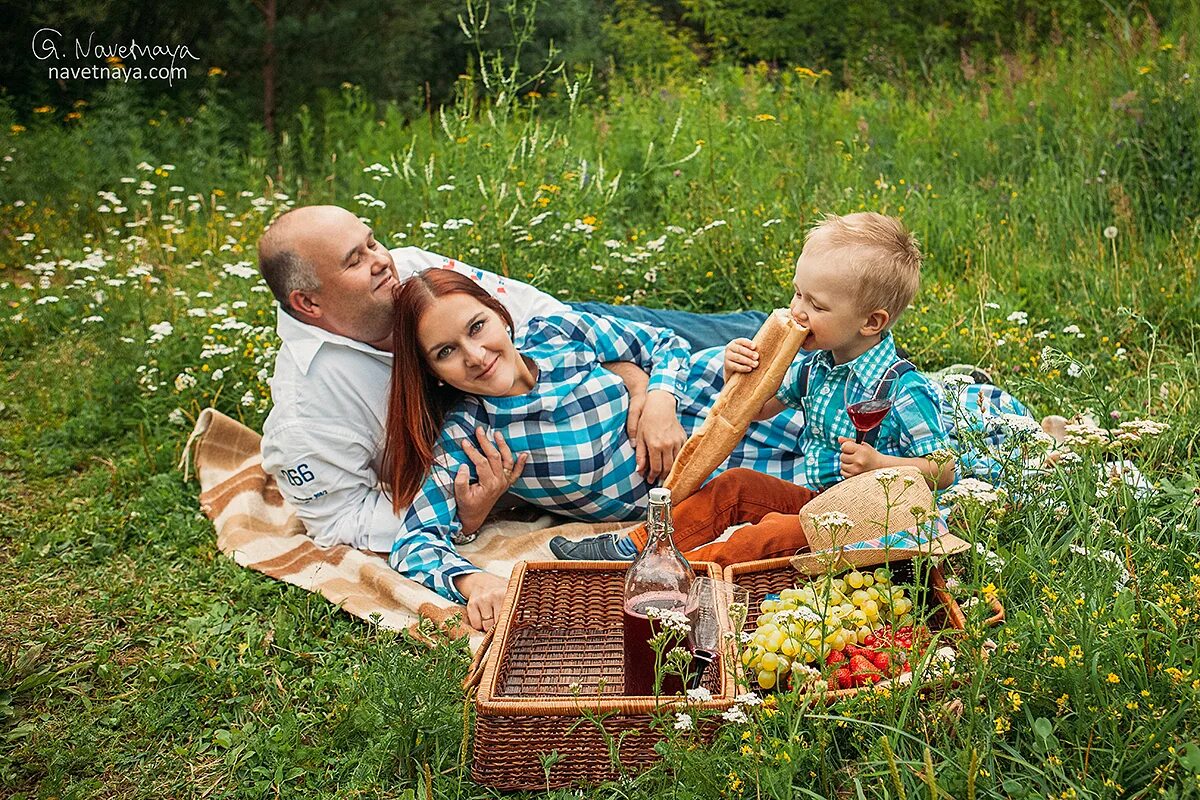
{"x":714,"y":608}
{"x":867,"y":415}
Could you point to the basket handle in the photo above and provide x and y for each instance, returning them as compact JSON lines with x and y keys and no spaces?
{"x":475,"y":671}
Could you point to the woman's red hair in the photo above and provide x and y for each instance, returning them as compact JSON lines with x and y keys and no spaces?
{"x":417,"y":405}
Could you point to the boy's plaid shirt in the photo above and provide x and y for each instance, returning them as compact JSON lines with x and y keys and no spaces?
{"x":914,"y":427}
{"x":572,"y":425}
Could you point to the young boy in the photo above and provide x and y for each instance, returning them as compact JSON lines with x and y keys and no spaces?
{"x":855,"y":276}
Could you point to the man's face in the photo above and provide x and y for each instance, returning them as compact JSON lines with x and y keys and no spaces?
{"x":356,"y":276}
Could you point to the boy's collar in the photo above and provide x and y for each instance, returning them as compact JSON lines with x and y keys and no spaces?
{"x":869,"y":367}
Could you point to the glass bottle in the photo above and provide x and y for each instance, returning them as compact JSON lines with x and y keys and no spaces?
{"x":660,"y":577}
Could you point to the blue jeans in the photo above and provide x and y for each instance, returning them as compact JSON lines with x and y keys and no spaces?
{"x":699,"y":330}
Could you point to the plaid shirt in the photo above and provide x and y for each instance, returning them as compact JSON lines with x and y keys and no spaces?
{"x":572,"y":425}
{"x":914,"y":427}
{"x":985,"y":435}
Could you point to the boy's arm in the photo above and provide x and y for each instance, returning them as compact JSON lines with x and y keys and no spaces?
{"x":741,"y":355}
{"x":921,"y":436}
{"x":859,"y":458}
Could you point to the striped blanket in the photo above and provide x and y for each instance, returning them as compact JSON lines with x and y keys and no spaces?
{"x":258,"y":529}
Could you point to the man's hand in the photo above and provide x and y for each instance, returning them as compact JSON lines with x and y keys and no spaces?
{"x":858,"y":458}
{"x":485,"y":598}
{"x":496,"y":472}
{"x":662,"y":436}
{"x":636,"y":380}
{"x":741,"y":355}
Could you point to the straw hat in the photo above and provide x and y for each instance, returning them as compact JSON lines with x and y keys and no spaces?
{"x":872,"y":518}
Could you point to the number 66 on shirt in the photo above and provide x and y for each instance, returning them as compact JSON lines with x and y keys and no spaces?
{"x":298,"y":476}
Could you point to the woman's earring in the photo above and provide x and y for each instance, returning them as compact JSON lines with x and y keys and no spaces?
{"x":508,"y":330}
{"x":441,"y":383}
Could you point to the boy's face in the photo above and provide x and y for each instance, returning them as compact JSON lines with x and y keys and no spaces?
{"x":826,"y":302}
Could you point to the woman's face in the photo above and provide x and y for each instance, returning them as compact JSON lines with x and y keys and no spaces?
{"x":466,"y":345}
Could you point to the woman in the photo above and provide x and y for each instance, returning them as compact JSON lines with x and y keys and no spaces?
{"x":457,"y":368}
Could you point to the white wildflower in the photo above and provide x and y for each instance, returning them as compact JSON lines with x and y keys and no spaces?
{"x":699,"y":695}
{"x":886,"y":475}
{"x":975,"y":490}
{"x":1019,"y":317}
{"x":1110,"y":232}
{"x":748,"y":699}
{"x":670,"y":621}
{"x":683,"y":722}
{"x":993,"y":560}
{"x":184,"y":381}
{"x":833,"y":519}
{"x":176,"y":417}
{"x":248,"y":398}
{"x":160,"y":331}
{"x":735,"y":715}
{"x":242,"y":269}
{"x":218,"y":375}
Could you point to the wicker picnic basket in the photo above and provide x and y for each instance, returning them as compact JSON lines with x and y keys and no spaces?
{"x":562,"y":624}
{"x":761,"y":578}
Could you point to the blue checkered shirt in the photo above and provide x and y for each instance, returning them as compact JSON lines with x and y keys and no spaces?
{"x":581,"y":463}
{"x":985,"y":439}
{"x":914,"y":427}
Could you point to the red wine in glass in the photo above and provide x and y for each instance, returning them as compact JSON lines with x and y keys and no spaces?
{"x":867,"y":415}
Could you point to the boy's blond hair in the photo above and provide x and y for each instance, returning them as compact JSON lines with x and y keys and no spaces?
{"x":883,"y":257}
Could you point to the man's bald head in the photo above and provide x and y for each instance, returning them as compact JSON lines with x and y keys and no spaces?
{"x":280,"y":258}
{"x":326,"y":268}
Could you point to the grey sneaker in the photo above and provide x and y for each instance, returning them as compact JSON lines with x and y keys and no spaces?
{"x":596,"y":548}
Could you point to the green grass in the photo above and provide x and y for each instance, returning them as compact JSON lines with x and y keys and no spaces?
{"x":135,"y":661}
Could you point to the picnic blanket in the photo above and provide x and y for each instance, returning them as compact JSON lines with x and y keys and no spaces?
{"x":257,"y":528}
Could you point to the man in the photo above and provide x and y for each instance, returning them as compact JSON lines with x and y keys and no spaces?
{"x":324,"y":436}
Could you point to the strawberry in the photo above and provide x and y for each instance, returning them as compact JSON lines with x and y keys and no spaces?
{"x":882,"y":663}
{"x":835,"y":657}
{"x":861,"y":665}
{"x":844,"y":678}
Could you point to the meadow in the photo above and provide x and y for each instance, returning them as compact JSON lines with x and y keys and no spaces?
{"x":1055,"y":196}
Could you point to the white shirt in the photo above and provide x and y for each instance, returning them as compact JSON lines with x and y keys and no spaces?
{"x":323,"y":440}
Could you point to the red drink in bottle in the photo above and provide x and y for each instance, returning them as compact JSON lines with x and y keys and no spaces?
{"x":639,"y":630}
{"x":660,"y":577}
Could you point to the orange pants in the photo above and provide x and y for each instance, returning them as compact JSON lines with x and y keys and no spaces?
{"x":733,"y":497}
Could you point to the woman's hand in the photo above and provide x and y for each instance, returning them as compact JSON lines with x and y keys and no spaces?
{"x":741,"y":355}
{"x":485,"y":598}
{"x":496,"y":472}
{"x":660,"y":438}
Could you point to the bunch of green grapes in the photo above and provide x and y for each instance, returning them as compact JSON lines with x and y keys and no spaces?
{"x":805,"y":624}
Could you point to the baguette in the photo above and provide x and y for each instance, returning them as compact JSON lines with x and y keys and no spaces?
{"x":743,"y":396}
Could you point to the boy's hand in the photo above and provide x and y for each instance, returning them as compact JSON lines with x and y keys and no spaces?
{"x":661,"y":436}
{"x":741,"y":355}
{"x":858,"y":458}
